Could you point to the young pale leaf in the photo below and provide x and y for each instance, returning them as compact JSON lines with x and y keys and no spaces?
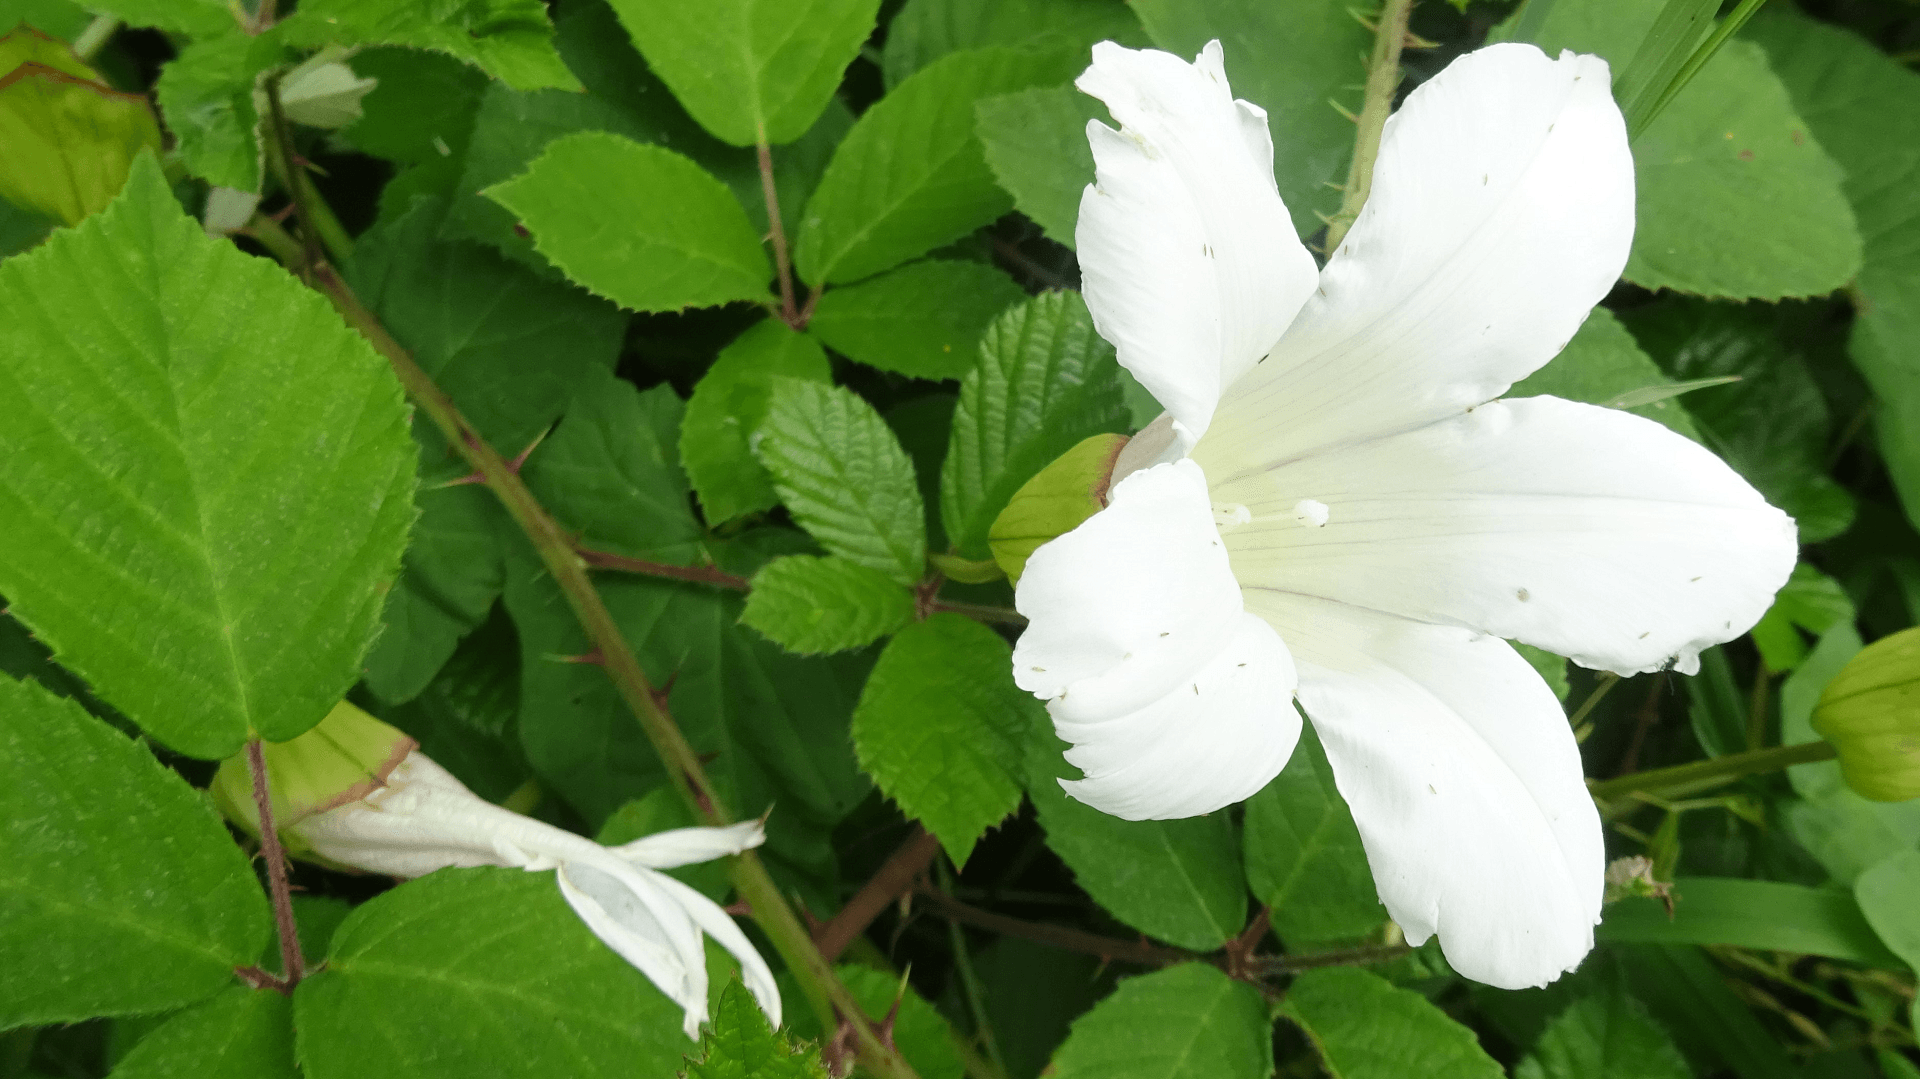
{"x":844,"y":476}
{"x":1036,"y":144}
{"x":123,"y":892}
{"x":1365,"y":1028}
{"x":911,"y":175}
{"x":510,"y":40}
{"x":543,"y":993}
{"x":242,"y":1033}
{"x":1178,"y":880}
{"x":751,"y":70}
{"x":923,"y":320}
{"x":729,"y":403}
{"x":1054,"y":502}
{"x":1762,"y":914}
{"x":1185,"y":1022}
{"x":1303,"y":853}
{"x":198,"y":443}
{"x":1607,"y":1035}
{"x":593,"y":203}
{"x":813,"y":605}
{"x":739,"y":1044}
{"x":70,"y":139}
{"x":451,"y":576}
{"x":1045,"y":381}
{"x":1598,"y":366}
{"x":1295,"y":61}
{"x":926,"y":30}
{"x":940,"y":727}
{"x":1865,"y":109}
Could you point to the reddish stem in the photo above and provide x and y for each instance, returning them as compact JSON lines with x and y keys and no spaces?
{"x":290,"y":959}
{"x":894,"y":880}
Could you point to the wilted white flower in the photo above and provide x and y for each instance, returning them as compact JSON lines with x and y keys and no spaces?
{"x":424,"y":819}
{"x":1338,"y":505}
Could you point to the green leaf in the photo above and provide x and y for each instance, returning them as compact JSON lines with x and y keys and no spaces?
{"x":239,"y":479}
{"x":729,"y":403}
{"x":1054,"y":502}
{"x":63,"y":19}
{"x":123,"y":892}
{"x":1886,"y":894}
{"x":842,"y":473}
{"x":194,"y":18}
{"x":1365,"y":1028}
{"x":592,"y":202}
{"x":1178,"y":880}
{"x":1810,"y":600}
{"x":614,"y":460}
{"x":1036,"y":144}
{"x":466,"y":717}
{"x":1045,"y":382}
{"x":1864,"y":107}
{"x":812,"y":605}
{"x":1602,"y":363}
{"x":421,"y":111}
{"x":739,"y":1044}
{"x":510,"y":40}
{"x":923,"y":320}
{"x":926,"y":30}
{"x":207,"y":94}
{"x":1185,"y":1022}
{"x":910,"y":176}
{"x":1762,"y":914}
{"x":240,"y":1034}
{"x":751,"y":69}
{"x":1552,"y":669}
{"x":919,"y":1032}
{"x":1608,"y":1035}
{"x":1688,"y":994}
{"x":1293,"y":61}
{"x":70,"y":139}
{"x":940,"y":728}
{"x":405,"y":983}
{"x":451,"y":575}
{"x":1303,"y":853}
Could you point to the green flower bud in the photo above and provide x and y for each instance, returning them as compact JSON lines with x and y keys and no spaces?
{"x":1871,"y":714}
{"x":343,"y":759}
{"x":1054,"y":502}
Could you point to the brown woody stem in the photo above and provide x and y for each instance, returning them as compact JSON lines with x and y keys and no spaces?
{"x":895,"y":879}
{"x":292,"y":963}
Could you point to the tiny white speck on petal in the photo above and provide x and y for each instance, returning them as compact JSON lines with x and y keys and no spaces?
{"x":1230,"y":515}
{"x":1311,"y":513}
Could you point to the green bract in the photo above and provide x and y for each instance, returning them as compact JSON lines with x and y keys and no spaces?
{"x":1871,"y":714}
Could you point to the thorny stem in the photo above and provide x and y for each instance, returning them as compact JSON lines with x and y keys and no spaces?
{"x":1383,"y":79}
{"x":789,"y":312}
{"x":1686,"y":778}
{"x":292,"y":964}
{"x":1073,"y":940}
{"x":318,"y":223}
{"x":894,"y":879}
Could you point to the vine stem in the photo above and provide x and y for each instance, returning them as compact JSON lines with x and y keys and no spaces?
{"x":789,"y":311}
{"x":1701,"y":774}
{"x":1383,"y":79}
{"x":895,"y":879}
{"x":292,"y":963}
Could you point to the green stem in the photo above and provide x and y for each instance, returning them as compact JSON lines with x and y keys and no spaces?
{"x":1607,"y":682}
{"x":1383,"y":79}
{"x":1685,"y":778}
{"x":970,"y":987}
{"x":783,"y":267}
{"x":95,"y":37}
{"x":315,"y":215}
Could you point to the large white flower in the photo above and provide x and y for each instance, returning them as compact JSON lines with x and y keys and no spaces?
{"x":424,"y":819}
{"x":1338,"y":506}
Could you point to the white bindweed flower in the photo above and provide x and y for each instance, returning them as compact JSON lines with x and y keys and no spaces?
{"x":424,"y":819}
{"x":1338,"y":506}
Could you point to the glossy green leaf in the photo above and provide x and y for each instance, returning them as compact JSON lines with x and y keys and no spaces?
{"x":1608,"y":1035}
{"x":729,"y":403}
{"x":1602,"y":363}
{"x":240,"y":1034}
{"x":1303,"y":853}
{"x":1761,"y":914}
{"x":1365,"y":1028}
{"x":940,"y":728}
{"x":1185,"y":1022}
{"x":63,"y":19}
{"x":613,"y":460}
{"x":405,"y":983}
{"x":466,"y":718}
{"x":1178,"y":880}
{"x":592,"y":202}
{"x":422,"y":109}
{"x":1811,"y":601}
{"x":926,"y":30}
{"x":843,"y":475}
{"x":1294,"y":61}
{"x":910,"y":176}
{"x":450,"y":576}
{"x":812,"y":605}
{"x":123,"y":892}
{"x":751,"y":69}
{"x":70,"y":139}
{"x":1045,"y":381}
{"x":207,"y":94}
{"x":1036,"y":144}
{"x":237,"y":474}
{"x":1886,"y":893}
{"x":739,"y":1044}
{"x":923,"y":320}
{"x":510,"y":40}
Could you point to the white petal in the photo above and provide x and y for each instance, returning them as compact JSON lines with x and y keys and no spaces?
{"x":1188,"y":258}
{"x":1501,"y":212}
{"x":720,"y":926}
{"x":1465,"y":781}
{"x":685,"y":846}
{"x":1176,"y":700}
{"x":1586,"y":531}
{"x":634,"y":913}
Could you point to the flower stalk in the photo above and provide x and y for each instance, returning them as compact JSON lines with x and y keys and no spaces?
{"x":1687,"y":778}
{"x":1383,"y":79}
